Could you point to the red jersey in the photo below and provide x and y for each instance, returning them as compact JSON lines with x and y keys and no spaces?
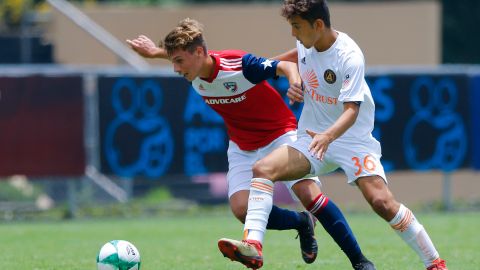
{"x":254,"y":112}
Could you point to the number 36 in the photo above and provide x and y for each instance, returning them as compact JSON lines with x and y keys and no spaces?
{"x":368,"y":164}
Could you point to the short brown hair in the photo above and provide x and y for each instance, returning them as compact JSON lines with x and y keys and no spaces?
{"x":187,"y":35}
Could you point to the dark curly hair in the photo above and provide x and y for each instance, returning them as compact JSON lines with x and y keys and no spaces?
{"x":309,"y":10}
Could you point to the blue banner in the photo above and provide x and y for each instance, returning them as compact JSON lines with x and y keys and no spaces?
{"x":422,"y":121}
{"x":155,"y":126}
{"x":152,"y":126}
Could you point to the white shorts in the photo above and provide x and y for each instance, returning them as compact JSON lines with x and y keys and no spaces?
{"x":355,"y":158}
{"x":240,"y":164}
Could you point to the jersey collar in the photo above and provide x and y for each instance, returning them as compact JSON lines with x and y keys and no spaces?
{"x":216,"y":67}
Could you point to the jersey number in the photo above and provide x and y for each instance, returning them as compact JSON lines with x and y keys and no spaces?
{"x":368,"y":164}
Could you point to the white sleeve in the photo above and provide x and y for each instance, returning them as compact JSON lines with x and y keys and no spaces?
{"x":353,"y":76}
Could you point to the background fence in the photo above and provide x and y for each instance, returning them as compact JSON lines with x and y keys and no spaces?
{"x":123,"y":133}
{"x":117,"y":134}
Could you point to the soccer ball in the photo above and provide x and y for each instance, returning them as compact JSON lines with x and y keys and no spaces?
{"x":118,"y":255}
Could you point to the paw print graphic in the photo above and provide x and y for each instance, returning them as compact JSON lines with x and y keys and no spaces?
{"x":137,"y":108}
{"x":435,"y":137}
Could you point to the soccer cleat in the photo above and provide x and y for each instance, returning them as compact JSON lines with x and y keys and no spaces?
{"x":364,"y":265}
{"x":438,"y":264}
{"x":247,"y":252}
{"x":306,"y":233}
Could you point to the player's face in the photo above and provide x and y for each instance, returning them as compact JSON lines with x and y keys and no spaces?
{"x":186,"y":63}
{"x":303,"y":31}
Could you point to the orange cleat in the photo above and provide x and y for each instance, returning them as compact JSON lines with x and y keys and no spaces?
{"x":247,"y":252}
{"x":438,"y":264}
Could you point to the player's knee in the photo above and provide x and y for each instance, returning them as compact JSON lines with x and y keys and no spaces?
{"x":383,"y":205}
{"x":306,"y":191}
{"x":379,"y":204}
{"x":263,"y":169}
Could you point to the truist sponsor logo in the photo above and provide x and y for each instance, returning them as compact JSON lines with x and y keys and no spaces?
{"x":213,"y":101}
{"x":321,"y":98}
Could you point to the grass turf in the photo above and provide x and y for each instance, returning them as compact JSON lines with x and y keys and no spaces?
{"x":189,"y":242}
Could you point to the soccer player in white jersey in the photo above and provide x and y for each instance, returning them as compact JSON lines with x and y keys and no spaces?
{"x":334,"y":130}
{"x":233,"y":83}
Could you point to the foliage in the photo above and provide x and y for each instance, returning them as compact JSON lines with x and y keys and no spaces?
{"x":10,"y":193}
{"x":12,"y":11}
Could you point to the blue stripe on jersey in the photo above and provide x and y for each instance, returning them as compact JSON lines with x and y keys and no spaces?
{"x":257,"y":69}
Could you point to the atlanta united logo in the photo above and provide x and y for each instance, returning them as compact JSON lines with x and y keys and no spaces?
{"x":231,"y":86}
{"x":329,"y":76}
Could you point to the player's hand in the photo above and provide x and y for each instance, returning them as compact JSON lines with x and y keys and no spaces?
{"x":144,"y":46}
{"x":319,"y":144}
{"x":295,"y":93}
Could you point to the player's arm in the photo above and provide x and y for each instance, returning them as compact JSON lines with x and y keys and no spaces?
{"x":145,"y":47}
{"x":321,"y":141}
{"x":291,"y":56}
{"x":257,"y":69}
{"x":343,"y":123}
{"x":290,"y":70}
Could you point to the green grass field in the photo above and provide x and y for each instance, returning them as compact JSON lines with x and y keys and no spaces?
{"x":189,"y":242}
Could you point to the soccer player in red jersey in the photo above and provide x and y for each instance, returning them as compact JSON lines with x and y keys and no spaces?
{"x":234,"y":84}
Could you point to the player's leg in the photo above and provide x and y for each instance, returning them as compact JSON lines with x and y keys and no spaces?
{"x":324,"y":209}
{"x":239,"y":179}
{"x":332,"y":220}
{"x":401,"y":219}
{"x":279,"y":219}
{"x":361,"y":163}
{"x":306,"y":231}
{"x":260,"y":202}
{"x":283,"y":163}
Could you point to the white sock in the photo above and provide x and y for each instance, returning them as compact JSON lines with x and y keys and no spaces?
{"x":413,"y":233}
{"x":260,"y":203}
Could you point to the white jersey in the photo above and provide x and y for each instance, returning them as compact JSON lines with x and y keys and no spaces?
{"x":330,"y":78}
